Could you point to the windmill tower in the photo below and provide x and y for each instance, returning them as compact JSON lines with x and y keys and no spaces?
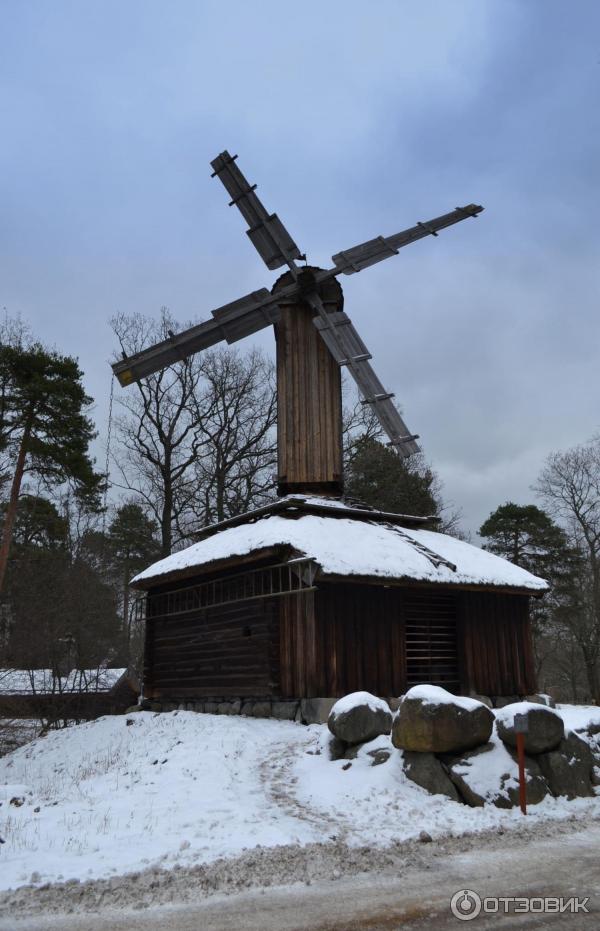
{"x":315,"y":338}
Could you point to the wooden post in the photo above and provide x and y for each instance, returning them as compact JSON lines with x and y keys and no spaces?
{"x":309,"y":400}
{"x":521,"y":728}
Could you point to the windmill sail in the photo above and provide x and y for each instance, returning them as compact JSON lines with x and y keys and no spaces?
{"x":348,"y":349}
{"x":376,"y":250}
{"x":266,"y":231}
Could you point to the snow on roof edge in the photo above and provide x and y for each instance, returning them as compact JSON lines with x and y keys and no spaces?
{"x":346,"y":547}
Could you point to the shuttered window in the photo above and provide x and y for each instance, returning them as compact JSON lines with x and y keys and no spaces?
{"x":431,"y":652}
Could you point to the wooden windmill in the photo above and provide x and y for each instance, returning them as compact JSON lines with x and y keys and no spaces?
{"x":314,"y":336}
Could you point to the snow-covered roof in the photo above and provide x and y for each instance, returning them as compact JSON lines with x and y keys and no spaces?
{"x":342,"y":545}
{"x":44,"y":682}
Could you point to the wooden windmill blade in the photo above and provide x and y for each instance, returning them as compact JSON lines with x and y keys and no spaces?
{"x":265,"y":230}
{"x":348,"y":349}
{"x":231,"y":322}
{"x":376,"y":250}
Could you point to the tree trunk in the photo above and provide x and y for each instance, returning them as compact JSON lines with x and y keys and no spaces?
{"x":11,"y":511}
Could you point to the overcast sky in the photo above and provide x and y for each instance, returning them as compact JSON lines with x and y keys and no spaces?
{"x":355,"y":119}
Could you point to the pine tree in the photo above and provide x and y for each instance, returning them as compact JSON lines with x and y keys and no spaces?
{"x":133,"y":544}
{"x":377,"y":476}
{"x":43,"y":427}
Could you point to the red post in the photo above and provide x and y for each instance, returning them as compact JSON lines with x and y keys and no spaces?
{"x":522,"y":782}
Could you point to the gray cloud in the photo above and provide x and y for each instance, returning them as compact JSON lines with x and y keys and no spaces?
{"x":354,"y":119}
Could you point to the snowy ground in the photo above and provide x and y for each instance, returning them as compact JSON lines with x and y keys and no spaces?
{"x":126,"y":793}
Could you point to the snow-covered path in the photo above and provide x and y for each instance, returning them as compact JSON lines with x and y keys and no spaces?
{"x":148,"y":791}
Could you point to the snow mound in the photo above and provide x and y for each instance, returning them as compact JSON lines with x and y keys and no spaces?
{"x":129,"y":792}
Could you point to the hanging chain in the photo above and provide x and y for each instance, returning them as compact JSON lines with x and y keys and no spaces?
{"x":107,"y":466}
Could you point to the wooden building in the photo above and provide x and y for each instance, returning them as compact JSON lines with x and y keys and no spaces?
{"x":309,"y":597}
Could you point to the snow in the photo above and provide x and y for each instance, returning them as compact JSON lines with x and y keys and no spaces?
{"x":127,"y":792}
{"x":492,"y":773}
{"x":43,"y":681}
{"x":579,"y":717}
{"x":356,"y":699}
{"x":342,"y":546}
{"x":435,"y":695}
{"x":507,"y":714}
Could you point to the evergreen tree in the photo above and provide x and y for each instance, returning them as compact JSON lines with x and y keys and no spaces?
{"x":132,"y":544}
{"x":380,"y":478}
{"x":528,"y":537}
{"x":44,"y":427}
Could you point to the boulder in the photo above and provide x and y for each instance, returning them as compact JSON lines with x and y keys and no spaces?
{"x":337,"y":749}
{"x":545,"y":728}
{"x":569,"y":768}
{"x":426,"y":770}
{"x":284,"y":710}
{"x":490,"y":775}
{"x":432,"y":720}
{"x":540,"y":698}
{"x":315,"y":710}
{"x":501,"y":701}
{"x":359,"y":717}
{"x":229,"y":707}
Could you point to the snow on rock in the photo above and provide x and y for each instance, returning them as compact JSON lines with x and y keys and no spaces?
{"x":359,"y":717}
{"x":356,"y":699}
{"x":432,"y":720}
{"x":436,"y":695}
{"x":342,"y":546}
{"x":490,"y":774}
{"x":545,"y":728}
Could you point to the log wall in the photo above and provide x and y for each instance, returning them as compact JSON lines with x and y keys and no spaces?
{"x":231,"y":650}
{"x":495,"y":644}
{"x":343,"y":638}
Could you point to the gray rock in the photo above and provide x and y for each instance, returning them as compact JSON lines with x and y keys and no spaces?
{"x":568,"y":769}
{"x":444,"y":727}
{"x":284,"y":710}
{"x":379,"y":756}
{"x":316,"y":710}
{"x":545,"y":728}
{"x":500,"y":701}
{"x":229,"y":707}
{"x":428,"y":772}
{"x":369,"y":717}
{"x":211,"y":707}
{"x":502,"y":795}
{"x":540,"y":699}
{"x":337,"y":749}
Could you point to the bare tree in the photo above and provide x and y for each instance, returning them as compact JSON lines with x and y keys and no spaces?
{"x":236,"y":413}
{"x":569,"y":484}
{"x":159,"y":431}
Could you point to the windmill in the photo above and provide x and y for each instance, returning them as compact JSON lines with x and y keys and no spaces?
{"x":314,"y":339}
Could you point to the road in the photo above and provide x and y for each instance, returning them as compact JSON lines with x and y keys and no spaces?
{"x":416,"y":898}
